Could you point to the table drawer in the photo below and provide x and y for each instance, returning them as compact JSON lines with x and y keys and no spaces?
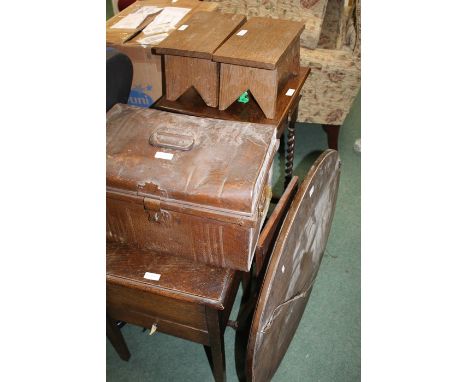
{"x":145,"y":304}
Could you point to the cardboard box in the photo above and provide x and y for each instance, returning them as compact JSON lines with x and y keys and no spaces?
{"x":147,"y":84}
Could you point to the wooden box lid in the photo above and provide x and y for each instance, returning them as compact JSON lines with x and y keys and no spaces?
{"x":260,"y":43}
{"x":180,"y":278}
{"x":201,"y":34}
{"x":201,"y":163}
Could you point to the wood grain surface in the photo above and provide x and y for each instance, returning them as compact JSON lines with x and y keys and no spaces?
{"x":181,"y":279}
{"x":200,"y":73}
{"x":292,"y":268}
{"x":263,"y":84}
{"x":262,"y":46}
{"x":204,"y":33}
{"x":273,"y":224}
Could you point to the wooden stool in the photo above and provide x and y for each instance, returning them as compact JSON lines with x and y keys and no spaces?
{"x":188,"y":52}
{"x":260,"y":58}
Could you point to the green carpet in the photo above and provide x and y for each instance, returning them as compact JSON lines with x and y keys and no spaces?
{"x":326,"y":346}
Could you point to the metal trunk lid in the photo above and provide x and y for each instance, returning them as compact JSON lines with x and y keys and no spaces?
{"x":216,"y":164}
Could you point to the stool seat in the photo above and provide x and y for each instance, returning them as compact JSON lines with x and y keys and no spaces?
{"x":180,"y":278}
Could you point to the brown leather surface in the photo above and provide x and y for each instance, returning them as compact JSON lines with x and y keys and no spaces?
{"x":293,"y":268}
{"x":222,"y":169}
{"x":180,"y":278}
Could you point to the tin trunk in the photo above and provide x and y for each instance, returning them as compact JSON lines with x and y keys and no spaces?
{"x":187,"y":186}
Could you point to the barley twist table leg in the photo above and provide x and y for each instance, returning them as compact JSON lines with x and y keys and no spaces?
{"x":290,"y":147}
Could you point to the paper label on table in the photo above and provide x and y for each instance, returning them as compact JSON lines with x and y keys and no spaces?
{"x":161,"y":155}
{"x":152,"y":276}
{"x":153,"y":39}
{"x":131,"y":21}
{"x":290,"y":92}
{"x":148,"y":10}
{"x":183,"y":27}
{"x":241,"y":32}
{"x":158,"y":29}
{"x":166,"y":20}
{"x":311,"y":191}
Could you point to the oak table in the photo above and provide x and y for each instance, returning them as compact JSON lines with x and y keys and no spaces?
{"x":286,"y":112}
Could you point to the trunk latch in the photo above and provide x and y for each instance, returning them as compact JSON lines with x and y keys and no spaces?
{"x":153,"y":209}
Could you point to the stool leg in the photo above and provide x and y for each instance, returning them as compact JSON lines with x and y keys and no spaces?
{"x":215,"y":352}
{"x":290,"y":147}
{"x":333,"y":132}
{"x":115,"y":337}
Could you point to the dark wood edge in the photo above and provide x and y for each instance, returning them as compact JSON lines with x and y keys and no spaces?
{"x":180,"y":53}
{"x":170,"y":293}
{"x":299,"y":82}
{"x":282,"y":110}
{"x":284,"y":121}
{"x":273,"y":262}
{"x":273,"y":223}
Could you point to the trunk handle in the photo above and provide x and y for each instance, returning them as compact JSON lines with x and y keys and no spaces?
{"x":171,"y":140}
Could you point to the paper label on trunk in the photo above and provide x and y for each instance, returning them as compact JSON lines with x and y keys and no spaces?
{"x":290,"y":92}
{"x":241,"y":32}
{"x":152,"y":276}
{"x":162,"y":155}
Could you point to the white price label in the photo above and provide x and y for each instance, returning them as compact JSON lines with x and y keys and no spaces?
{"x":290,"y":92}
{"x":162,"y":155}
{"x":152,"y":276}
{"x":241,"y":32}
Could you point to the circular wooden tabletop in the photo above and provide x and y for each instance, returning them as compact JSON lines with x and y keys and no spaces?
{"x":293,"y":267}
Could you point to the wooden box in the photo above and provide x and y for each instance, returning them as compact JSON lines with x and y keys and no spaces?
{"x":188,"y":54}
{"x":259,"y":58}
{"x":188,"y":186}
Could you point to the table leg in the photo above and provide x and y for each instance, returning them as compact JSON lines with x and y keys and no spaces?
{"x":290,"y":146}
{"x":215,"y":352}
{"x":116,"y":339}
{"x":333,"y":132}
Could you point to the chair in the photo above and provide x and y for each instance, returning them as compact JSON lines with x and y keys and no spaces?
{"x":119,"y":75}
